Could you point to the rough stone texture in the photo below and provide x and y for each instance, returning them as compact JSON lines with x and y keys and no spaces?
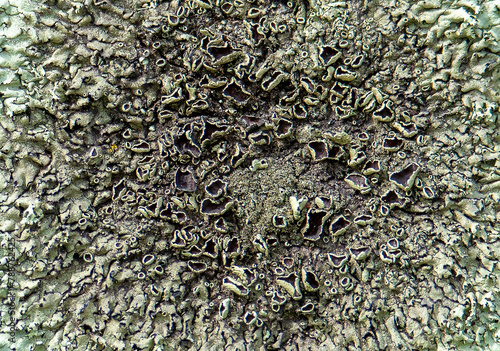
{"x":374,"y":120}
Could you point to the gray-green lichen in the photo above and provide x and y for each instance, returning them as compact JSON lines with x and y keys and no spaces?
{"x":249,"y":174}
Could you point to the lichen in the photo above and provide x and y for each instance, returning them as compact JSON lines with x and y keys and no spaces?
{"x":247,"y":174}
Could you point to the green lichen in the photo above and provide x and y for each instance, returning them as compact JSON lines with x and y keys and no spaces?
{"x":202,"y":174}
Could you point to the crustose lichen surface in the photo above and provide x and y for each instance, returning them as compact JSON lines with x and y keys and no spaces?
{"x":250,"y":175}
